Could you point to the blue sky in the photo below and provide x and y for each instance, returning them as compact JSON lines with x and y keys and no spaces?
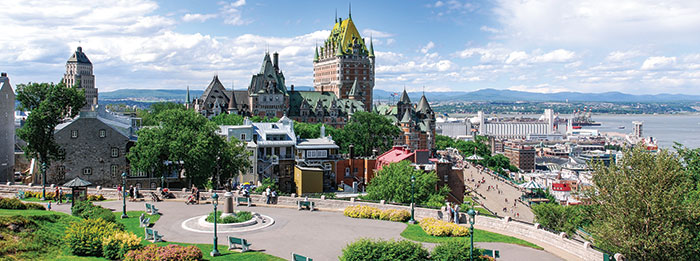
{"x":632,"y":46}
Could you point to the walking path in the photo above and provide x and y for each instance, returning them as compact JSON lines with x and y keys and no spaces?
{"x":497,"y":199}
{"x":320,"y":235}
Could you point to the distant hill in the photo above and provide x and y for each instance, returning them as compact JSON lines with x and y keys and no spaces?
{"x":493,"y":95}
{"x":509,"y":96}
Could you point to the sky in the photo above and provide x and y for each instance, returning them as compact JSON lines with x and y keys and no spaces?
{"x":637,"y":47}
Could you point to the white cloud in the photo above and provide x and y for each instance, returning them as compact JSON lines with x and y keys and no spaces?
{"x":556,"y":56}
{"x":232,"y":13}
{"x":427,"y":47}
{"x":516,"y":56}
{"x":540,"y":88}
{"x":618,"y":56}
{"x":586,"y":22}
{"x":489,"y":29}
{"x":197,"y":17}
{"x":439,"y":4}
{"x":376,"y":34}
{"x":658,"y":62}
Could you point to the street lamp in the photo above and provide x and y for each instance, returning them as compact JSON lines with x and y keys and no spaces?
{"x":162,"y":181}
{"x":215,"y":202}
{"x":43,"y":181}
{"x":471,"y":214}
{"x":124,"y":195}
{"x":413,"y":191}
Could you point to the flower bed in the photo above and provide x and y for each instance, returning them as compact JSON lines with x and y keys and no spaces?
{"x":238,"y":217}
{"x":165,"y":253}
{"x":359,"y":211}
{"x":441,"y":228}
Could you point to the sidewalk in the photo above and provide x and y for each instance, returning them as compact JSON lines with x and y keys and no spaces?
{"x":496,"y":201}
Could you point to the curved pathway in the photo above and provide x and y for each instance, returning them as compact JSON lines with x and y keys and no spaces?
{"x":320,"y":235}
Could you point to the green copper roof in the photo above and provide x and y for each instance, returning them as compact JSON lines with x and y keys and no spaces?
{"x":316,"y":55}
{"x":406,"y":117}
{"x":312,"y":98}
{"x":371,"y":48}
{"x":423,"y":105}
{"x":404,"y":97}
{"x":187,"y":98}
{"x":354,"y":91}
{"x":79,"y":56}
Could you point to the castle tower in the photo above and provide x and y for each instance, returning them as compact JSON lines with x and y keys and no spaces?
{"x":342,"y":58}
{"x":79,"y":71}
{"x":7,"y":129}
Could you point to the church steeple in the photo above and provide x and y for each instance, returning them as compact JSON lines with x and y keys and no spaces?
{"x":371,"y":47}
{"x":316,"y":55}
{"x":350,"y":11}
{"x":187,"y":98}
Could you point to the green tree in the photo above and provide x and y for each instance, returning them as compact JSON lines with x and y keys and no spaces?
{"x":234,"y":158}
{"x":228,"y":119}
{"x":49,"y":105}
{"x":442,"y":142}
{"x":190,"y":141}
{"x":393,"y":184}
{"x":647,"y":206}
{"x":149,"y":117}
{"x":367,"y":131}
{"x":562,"y":218}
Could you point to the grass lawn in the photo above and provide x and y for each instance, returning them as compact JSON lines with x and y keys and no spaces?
{"x":132,"y":225}
{"x":416,"y":233}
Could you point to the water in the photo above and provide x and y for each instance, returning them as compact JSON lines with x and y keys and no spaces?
{"x":666,"y":129}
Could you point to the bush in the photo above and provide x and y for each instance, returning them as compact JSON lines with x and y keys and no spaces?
{"x":116,"y":246}
{"x":239,"y":217}
{"x":85,"y":238}
{"x":455,"y":250}
{"x":11,"y":203}
{"x":165,"y":253}
{"x":96,"y":197}
{"x":266,"y":182}
{"x":441,"y":228}
{"x":35,"y":206}
{"x":367,"y":249}
{"x":360,"y":211}
{"x":87,"y":210}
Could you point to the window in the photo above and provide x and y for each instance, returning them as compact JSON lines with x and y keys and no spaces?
{"x":103,"y":133}
{"x":74,"y":134}
{"x":61,"y":169}
{"x":115,"y":152}
{"x":114,"y":170}
{"x":87,"y":171}
{"x":138,"y":173}
{"x":242,"y":136}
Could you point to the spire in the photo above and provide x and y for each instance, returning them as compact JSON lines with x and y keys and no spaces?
{"x":316,"y":56}
{"x":371,"y":47}
{"x":404,"y":97}
{"x":336,"y":15}
{"x":423,"y":105}
{"x":349,"y":11}
{"x":339,"y":49}
{"x":187,"y":98}
{"x":406,"y":117}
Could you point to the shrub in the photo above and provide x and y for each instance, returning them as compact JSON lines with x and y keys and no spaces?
{"x":116,"y":246}
{"x":85,"y":238}
{"x":165,"y":253}
{"x":360,"y":211}
{"x":441,"y":228}
{"x":367,"y":249}
{"x":96,"y":197}
{"x":87,"y":210}
{"x":35,"y":206}
{"x":455,"y":250}
{"x":239,"y":217}
{"x":11,"y":203}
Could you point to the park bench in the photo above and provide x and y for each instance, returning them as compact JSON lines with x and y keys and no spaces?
{"x":20,"y":194}
{"x":305,"y":204}
{"x":144,"y":221}
{"x":492,"y":253}
{"x":298,"y":257}
{"x":153,"y":235}
{"x":233,"y":241}
{"x":148,"y":208}
{"x":240,"y":200}
{"x":154,"y":210}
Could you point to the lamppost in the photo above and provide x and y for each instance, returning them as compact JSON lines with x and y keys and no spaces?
{"x":215,"y":202}
{"x":43,"y":181}
{"x":413,"y":191}
{"x":162,"y":181}
{"x":124,"y":195}
{"x":471,"y":214}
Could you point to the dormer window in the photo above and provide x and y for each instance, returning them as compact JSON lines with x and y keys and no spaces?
{"x":103,"y":133}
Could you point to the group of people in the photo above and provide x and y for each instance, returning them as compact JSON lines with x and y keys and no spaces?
{"x":132,"y":193}
{"x":270,"y":195}
{"x":452,"y":212}
{"x":194,"y":196}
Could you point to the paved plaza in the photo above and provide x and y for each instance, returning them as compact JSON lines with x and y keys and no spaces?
{"x":320,"y":234}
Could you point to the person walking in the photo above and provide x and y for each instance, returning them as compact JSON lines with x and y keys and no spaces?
{"x":60,"y":195}
{"x":131,"y":192}
{"x":48,"y":206}
{"x":119,"y":192}
{"x":55,"y":195}
{"x":268,"y":194}
{"x":456,"y":208}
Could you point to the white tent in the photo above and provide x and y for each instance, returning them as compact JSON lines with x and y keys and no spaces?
{"x":474,"y":157}
{"x":531,"y":185}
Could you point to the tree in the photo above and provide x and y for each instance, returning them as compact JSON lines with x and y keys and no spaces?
{"x":367,"y":131}
{"x":228,"y":119}
{"x":149,"y":117}
{"x":442,"y":142}
{"x":647,"y":206}
{"x":393,"y":184}
{"x":189,"y":140}
{"x":562,"y":218}
{"x":49,"y":105}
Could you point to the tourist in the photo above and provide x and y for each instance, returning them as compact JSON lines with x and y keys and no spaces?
{"x":274,"y":197}
{"x":131,"y":192}
{"x":55,"y":194}
{"x":136,"y":193}
{"x":48,"y":206}
{"x":450,"y":212}
{"x":456,"y":213}
{"x":517,"y":215}
{"x":60,"y":195}
{"x":268,"y":195}
{"x":119,"y":191}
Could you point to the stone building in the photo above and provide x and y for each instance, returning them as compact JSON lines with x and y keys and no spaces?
{"x":94,"y":145}
{"x":7,"y":129}
{"x":79,"y":71}
{"x":417,"y":123}
{"x":344,"y":64}
{"x":520,"y":155}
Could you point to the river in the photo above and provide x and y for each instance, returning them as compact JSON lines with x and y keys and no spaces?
{"x":666,"y":129}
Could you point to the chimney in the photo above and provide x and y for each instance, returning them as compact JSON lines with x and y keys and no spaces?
{"x":351,"y":149}
{"x":292,"y":87}
{"x":3,"y":74}
{"x":275,"y":61}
